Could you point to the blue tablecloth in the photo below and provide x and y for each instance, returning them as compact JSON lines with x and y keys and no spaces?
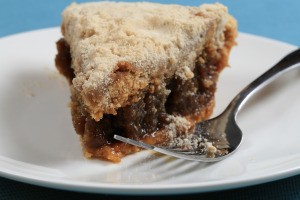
{"x":277,"y":19}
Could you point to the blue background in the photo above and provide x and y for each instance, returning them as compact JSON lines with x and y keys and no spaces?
{"x":276,"y":19}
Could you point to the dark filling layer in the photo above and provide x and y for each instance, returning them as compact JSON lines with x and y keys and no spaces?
{"x":190,"y":98}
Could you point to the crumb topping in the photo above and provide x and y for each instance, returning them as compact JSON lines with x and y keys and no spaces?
{"x":177,"y":125}
{"x":155,"y":39}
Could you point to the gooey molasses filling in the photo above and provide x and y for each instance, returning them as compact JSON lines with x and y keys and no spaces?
{"x":149,"y":113}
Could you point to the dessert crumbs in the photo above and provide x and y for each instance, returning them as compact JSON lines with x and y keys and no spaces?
{"x":196,"y":143}
{"x":190,"y":142}
{"x":28,"y":88}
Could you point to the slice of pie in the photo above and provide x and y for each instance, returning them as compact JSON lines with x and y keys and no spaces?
{"x":146,"y":71}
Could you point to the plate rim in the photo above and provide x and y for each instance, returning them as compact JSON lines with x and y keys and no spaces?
{"x":148,"y":189}
{"x":145,"y":189}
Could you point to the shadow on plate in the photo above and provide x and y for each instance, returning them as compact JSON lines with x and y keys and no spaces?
{"x":36,"y":118}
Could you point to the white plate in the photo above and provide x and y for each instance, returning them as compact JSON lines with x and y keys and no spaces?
{"x":38,"y":144}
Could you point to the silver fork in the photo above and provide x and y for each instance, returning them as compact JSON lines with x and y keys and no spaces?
{"x":222,"y":131}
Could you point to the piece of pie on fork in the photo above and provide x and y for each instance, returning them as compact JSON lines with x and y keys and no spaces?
{"x":145,"y":71}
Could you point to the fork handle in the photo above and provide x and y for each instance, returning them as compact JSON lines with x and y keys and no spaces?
{"x":287,"y":63}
